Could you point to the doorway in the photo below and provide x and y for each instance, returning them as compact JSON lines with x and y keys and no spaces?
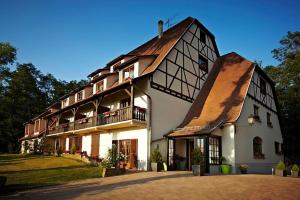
{"x":128,"y":151}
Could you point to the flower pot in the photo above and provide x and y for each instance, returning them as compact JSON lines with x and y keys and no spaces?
{"x":279,"y":172}
{"x":226,"y":169}
{"x":295,"y":174}
{"x":154,"y":167}
{"x":197,"y":170}
{"x":243,"y":171}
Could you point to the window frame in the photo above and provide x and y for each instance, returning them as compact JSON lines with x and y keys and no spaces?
{"x":203,"y":65}
{"x":98,"y":89}
{"x":214,"y":154}
{"x":257,"y":148}
{"x":78,"y":95}
{"x":202,"y":36}
{"x":263,"y":86}
{"x":130,"y":71}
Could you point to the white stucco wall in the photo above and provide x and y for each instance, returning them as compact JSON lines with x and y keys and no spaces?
{"x":123,"y":134}
{"x":86,"y":144}
{"x":245,"y":134}
{"x":67,"y":143}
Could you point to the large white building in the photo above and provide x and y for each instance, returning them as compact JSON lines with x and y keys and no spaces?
{"x":174,"y":93}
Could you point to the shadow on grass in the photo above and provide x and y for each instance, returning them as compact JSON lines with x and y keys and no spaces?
{"x":46,"y":169}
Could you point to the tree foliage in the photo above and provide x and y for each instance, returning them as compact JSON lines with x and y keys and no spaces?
{"x":287,"y":84}
{"x":24,"y":93}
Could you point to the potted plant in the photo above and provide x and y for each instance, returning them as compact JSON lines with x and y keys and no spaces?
{"x":105,"y":165}
{"x":295,"y":171}
{"x":156,"y":160}
{"x":243,"y":168}
{"x":280,"y":169}
{"x":225,"y":168}
{"x":197,"y":161}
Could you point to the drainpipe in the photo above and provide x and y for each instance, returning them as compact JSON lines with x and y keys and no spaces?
{"x":149,"y":121}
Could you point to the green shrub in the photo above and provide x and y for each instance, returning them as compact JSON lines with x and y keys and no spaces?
{"x":222,"y":160}
{"x":112,"y":155}
{"x":295,"y":168}
{"x":156,"y":156}
{"x":197,"y":157}
{"x":73,"y":149}
{"x":280,"y":165}
{"x":26,"y":146}
{"x":105,"y":163}
{"x":243,"y":167}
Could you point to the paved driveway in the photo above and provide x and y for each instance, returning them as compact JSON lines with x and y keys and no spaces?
{"x":172,"y":185}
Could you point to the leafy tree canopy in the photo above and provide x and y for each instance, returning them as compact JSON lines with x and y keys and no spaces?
{"x":287,"y":83}
{"x":24,"y":93}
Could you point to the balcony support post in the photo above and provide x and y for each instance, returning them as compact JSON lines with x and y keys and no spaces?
{"x":132,"y":100}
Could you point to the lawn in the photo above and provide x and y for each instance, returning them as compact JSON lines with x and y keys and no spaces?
{"x":27,"y":171}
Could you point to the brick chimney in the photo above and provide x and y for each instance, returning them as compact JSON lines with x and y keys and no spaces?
{"x":160,"y":28}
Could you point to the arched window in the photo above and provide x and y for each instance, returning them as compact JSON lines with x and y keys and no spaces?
{"x":257,"y":148}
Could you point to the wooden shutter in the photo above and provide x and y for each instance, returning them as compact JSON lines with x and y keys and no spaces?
{"x":95,"y":145}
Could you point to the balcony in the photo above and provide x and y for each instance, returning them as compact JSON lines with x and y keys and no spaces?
{"x":124,"y":117}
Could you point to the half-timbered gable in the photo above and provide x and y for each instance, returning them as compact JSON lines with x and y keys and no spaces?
{"x":184,"y":70}
{"x":261,"y":91}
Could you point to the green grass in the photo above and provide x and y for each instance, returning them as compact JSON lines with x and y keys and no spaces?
{"x":27,"y":171}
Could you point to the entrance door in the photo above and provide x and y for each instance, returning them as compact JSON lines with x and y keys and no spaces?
{"x":129,"y":149}
{"x":190,"y":158}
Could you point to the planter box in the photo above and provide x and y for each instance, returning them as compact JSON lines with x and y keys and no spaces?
{"x":280,"y":172}
{"x":295,"y":174}
{"x":107,"y":172}
{"x":197,"y":170}
{"x":225,"y":169}
{"x":154,"y":167}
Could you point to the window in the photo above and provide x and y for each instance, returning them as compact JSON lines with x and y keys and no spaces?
{"x":214,"y":152}
{"x":65,"y":102}
{"x":269,"y":123}
{"x":79,"y":95}
{"x":128,"y":73}
{"x":171,"y":152}
{"x":278,"y":149}
{"x":203,"y":63}
{"x":202,"y":37}
{"x":256,"y":108}
{"x":99,"y":86}
{"x":262,"y":86}
{"x":257,"y":148}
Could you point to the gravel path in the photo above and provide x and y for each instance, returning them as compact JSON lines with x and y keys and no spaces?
{"x":171,"y":185}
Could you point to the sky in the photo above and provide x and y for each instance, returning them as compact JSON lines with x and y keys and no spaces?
{"x":72,"y":38}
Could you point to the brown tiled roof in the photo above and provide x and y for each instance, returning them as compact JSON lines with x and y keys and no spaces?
{"x":162,"y":46}
{"x":221,"y":98}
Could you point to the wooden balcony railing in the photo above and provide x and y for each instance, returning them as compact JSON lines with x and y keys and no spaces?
{"x":122,"y":114}
{"x":110,"y":117}
{"x":62,"y":128}
{"x":85,"y":123}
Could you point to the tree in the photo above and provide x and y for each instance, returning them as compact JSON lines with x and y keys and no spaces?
{"x":24,"y":93}
{"x":287,"y":78}
{"x":7,"y":53}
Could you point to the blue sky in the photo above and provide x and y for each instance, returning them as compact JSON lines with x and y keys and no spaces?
{"x":70,"y":39}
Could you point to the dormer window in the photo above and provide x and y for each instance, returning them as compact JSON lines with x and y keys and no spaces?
{"x":65,"y":103}
{"x":128,"y":73}
{"x":80,"y":96}
{"x":99,"y":86}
